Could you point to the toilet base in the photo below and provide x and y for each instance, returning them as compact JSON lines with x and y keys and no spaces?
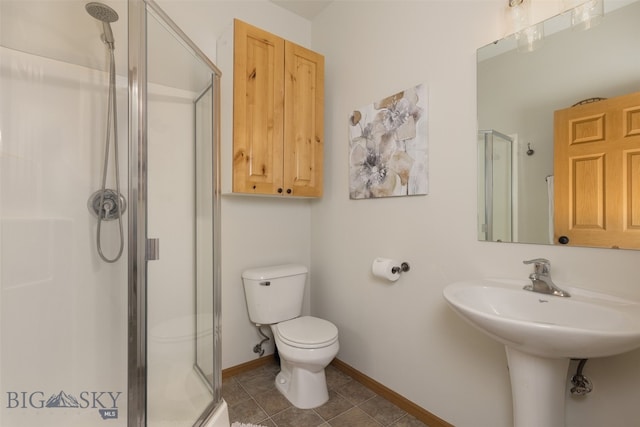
{"x":303,"y":388}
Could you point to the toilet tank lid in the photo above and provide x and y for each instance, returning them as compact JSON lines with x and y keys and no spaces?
{"x":274,"y":272}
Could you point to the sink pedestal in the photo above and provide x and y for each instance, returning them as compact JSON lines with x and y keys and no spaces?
{"x":538,"y":389}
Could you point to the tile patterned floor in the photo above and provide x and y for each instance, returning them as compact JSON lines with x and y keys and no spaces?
{"x":252,"y":398}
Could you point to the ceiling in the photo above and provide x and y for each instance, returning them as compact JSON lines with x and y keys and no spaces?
{"x":306,"y":8}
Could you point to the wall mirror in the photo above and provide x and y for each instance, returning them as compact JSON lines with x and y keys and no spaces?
{"x":519,"y":94}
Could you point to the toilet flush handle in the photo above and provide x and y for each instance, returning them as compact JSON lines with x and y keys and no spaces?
{"x":265,"y":283}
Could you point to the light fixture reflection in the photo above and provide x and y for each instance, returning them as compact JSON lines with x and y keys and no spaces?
{"x":529,"y":37}
{"x":587,"y":14}
{"x":518,"y":14}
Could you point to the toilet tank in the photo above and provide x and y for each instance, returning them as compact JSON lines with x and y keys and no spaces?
{"x":274,"y":294}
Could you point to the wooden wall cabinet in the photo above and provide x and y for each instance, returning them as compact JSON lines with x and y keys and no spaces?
{"x":278,"y":115}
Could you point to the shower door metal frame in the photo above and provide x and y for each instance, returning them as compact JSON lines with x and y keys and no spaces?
{"x":137,"y":234}
{"x":138,"y":247}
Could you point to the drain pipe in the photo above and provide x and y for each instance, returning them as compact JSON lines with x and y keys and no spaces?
{"x":581,"y":384}
{"x":258,"y":347}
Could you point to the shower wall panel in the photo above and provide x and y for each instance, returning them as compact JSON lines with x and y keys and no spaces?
{"x":63,"y":359}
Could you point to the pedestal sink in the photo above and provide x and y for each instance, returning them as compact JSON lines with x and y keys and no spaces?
{"x":541,"y":333}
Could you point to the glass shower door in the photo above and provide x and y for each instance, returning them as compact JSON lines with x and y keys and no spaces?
{"x":495,"y":190}
{"x":182,"y":382}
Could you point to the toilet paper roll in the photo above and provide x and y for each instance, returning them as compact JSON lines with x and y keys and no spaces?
{"x":382,"y":267}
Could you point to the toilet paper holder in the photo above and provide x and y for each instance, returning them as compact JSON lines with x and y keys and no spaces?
{"x":403,"y":268}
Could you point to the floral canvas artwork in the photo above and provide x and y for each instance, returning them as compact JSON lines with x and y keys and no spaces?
{"x":388,"y":147}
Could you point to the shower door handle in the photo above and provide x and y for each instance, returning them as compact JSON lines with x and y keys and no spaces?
{"x":153,"y":249}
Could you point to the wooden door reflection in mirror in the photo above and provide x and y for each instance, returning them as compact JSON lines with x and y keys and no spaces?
{"x":597,"y":173}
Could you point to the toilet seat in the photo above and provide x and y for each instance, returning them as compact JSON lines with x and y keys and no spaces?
{"x":307,"y":332}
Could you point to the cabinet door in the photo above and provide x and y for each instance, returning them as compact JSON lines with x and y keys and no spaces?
{"x":257,"y":110}
{"x":303,"y":121}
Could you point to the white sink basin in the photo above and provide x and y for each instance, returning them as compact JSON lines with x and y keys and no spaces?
{"x":541,"y":333}
{"x":585,"y":325}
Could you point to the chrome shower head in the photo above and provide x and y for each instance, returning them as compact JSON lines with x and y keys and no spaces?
{"x":101,"y":12}
{"x":105,"y":14}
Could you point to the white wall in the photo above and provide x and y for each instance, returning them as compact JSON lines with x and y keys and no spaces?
{"x":403,"y":335}
{"x":204,"y":21}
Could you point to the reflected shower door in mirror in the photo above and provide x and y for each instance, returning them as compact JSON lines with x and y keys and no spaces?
{"x":518,"y":93}
{"x":495,"y":190}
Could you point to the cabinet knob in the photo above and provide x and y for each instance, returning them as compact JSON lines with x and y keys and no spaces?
{"x":563,"y":240}
{"x":288,"y":191}
{"x":280,"y":190}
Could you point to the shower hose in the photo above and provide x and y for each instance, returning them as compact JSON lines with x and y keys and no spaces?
{"x":111,"y":119}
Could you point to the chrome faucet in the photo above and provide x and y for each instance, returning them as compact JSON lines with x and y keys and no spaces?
{"x":541,"y":279}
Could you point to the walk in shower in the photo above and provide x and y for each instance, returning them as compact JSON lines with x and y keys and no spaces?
{"x":108,"y":121}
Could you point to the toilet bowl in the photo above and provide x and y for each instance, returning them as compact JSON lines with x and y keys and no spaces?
{"x":306,"y":344}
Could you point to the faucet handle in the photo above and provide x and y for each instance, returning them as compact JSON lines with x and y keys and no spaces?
{"x":540,"y":265}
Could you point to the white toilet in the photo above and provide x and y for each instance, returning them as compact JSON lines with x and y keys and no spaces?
{"x":306,"y":344}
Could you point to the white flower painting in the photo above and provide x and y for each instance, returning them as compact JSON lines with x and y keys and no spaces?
{"x":388,"y":147}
